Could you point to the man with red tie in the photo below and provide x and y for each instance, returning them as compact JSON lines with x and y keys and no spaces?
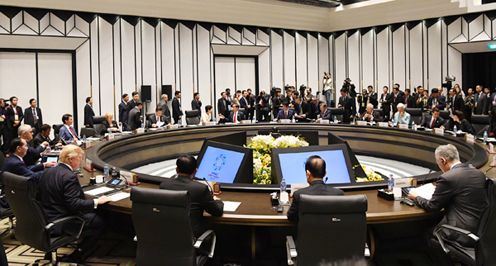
{"x":67,"y":133}
{"x":434,"y":120}
{"x":235,"y":116}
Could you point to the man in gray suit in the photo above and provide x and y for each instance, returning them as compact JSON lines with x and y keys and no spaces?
{"x":134,"y":120}
{"x":460,"y":191}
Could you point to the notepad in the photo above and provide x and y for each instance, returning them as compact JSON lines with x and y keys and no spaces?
{"x":425,"y":191}
{"x":98,"y":191}
{"x":119,"y":196}
{"x":231,"y":206}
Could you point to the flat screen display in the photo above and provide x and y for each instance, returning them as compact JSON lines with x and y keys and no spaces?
{"x":292,"y":166}
{"x":50,"y":159}
{"x":220,"y":165}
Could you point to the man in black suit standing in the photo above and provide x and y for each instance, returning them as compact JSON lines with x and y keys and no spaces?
{"x":410,"y":100}
{"x":222,"y":105}
{"x":315,"y":168}
{"x":134,"y":120}
{"x":124,"y":111}
{"x":88,"y":112}
{"x":196,"y":104}
{"x":348,"y":104}
{"x":434,"y":120}
{"x":177,"y":112}
{"x":200,"y":195}
{"x":13,"y":118}
{"x":33,"y":116}
{"x":134,"y":101}
{"x":61,"y":195}
{"x":398,"y":97}
{"x":460,"y":191}
{"x":251,"y":104}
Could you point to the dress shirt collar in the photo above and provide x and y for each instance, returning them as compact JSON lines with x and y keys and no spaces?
{"x":317,"y":182}
{"x":68,"y":166}
{"x":20,"y":158}
{"x":455,"y":164}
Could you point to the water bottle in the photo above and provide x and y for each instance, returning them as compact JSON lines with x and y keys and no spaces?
{"x":485,"y":136}
{"x":106,"y":170}
{"x":455,"y":129}
{"x":414,"y":126}
{"x":120,"y":126}
{"x":390,"y":183}
{"x":83,"y":142}
{"x":283,"y":195}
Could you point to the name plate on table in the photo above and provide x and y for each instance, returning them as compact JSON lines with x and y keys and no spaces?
{"x":439,"y":131}
{"x":383,"y":124}
{"x":470,"y":138}
{"x":285,"y":121}
{"x":405,"y":182}
{"x":361,"y":123}
{"x":324,"y":121}
{"x":245,"y":121}
{"x":403,"y":126}
{"x":210,"y":123}
{"x":140,"y":130}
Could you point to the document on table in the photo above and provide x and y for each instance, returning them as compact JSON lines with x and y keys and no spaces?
{"x":231,"y":206}
{"x":425,"y":191}
{"x":98,"y":191}
{"x":119,"y":196}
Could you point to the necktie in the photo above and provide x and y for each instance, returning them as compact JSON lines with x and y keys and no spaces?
{"x":35,"y":116}
{"x":158,"y":119}
{"x":433,"y":123}
{"x":235,"y":117}
{"x":73,"y":133}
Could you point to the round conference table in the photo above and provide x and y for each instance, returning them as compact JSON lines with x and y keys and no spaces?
{"x":416,"y":147}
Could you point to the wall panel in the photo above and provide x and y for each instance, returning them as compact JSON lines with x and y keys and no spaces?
{"x":399,"y":57}
{"x":353,"y":53}
{"x":415,"y":54}
{"x":148,"y":63}
{"x":106,"y":70}
{"x":289,"y":48}
{"x":301,"y":60}
{"x":367,"y":65}
{"x":277,"y":59}
{"x":383,"y":59}
{"x":18,"y":77}
{"x":313,"y":63}
{"x":323,"y":58}
{"x":434,"y":55}
{"x":186,"y":65}
{"x":340,"y":60}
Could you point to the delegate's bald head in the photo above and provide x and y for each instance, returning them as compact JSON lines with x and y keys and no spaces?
{"x":315,"y":167}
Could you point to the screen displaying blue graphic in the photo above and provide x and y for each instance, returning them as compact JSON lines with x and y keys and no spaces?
{"x":293,"y":166}
{"x":219,"y":165}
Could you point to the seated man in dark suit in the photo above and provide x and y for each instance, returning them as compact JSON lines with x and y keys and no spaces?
{"x":44,"y":135}
{"x":315,"y":169}
{"x":460,"y":191}
{"x":200,"y":196}
{"x":371,"y":115}
{"x":15,"y":164}
{"x":34,"y":152}
{"x":235,"y":116}
{"x":285,"y":112}
{"x":157,"y":120}
{"x":61,"y":195}
{"x":434,"y":120}
{"x":325,"y":113}
{"x":458,"y":120}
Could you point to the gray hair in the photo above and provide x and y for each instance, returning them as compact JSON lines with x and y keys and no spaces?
{"x":448,"y":152}
{"x":23,"y":129}
{"x":400,"y":105}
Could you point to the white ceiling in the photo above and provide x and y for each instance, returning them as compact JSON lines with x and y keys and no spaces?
{"x":473,"y":47}
{"x":40,"y":42}
{"x":224,"y":49}
{"x":267,"y":13}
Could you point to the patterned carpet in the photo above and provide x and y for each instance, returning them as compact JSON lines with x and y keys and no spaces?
{"x":110,"y":251}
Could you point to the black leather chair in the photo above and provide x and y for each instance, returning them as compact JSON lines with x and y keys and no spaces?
{"x":163,"y":229}
{"x":444,"y":114}
{"x":98,"y":119}
{"x":331,"y":229}
{"x":381,"y":114}
{"x":56,"y":130}
{"x":31,"y":226}
{"x":192,"y":117}
{"x":484,"y":250}
{"x":480,"y":123}
{"x":87,"y":132}
{"x":337,"y":113}
{"x":416,"y":115}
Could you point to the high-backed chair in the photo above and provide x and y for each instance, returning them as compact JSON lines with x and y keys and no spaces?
{"x":32,"y":228}
{"x":337,"y":113}
{"x":484,"y":240}
{"x":192,"y":117}
{"x":98,"y":119}
{"x":444,"y":114}
{"x":416,"y":115}
{"x":381,"y":113}
{"x":163,"y":229}
{"x":480,"y":123}
{"x":56,"y":129}
{"x":330,"y":229}
{"x":87,"y":132}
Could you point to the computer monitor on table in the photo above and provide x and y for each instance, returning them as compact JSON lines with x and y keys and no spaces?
{"x":225,"y":163}
{"x":238,"y":139}
{"x":290,"y":164}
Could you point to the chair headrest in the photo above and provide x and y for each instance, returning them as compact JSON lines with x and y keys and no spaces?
{"x":192,"y":113}
{"x":337,"y":111}
{"x":414,"y":111}
{"x":16,"y":181}
{"x":98,"y":119}
{"x":480,"y":119}
{"x":160,"y":197}
{"x":57,"y":126}
{"x":333,"y":204}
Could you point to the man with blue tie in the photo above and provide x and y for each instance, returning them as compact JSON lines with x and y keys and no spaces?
{"x":67,"y":133}
{"x":285,"y":113}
